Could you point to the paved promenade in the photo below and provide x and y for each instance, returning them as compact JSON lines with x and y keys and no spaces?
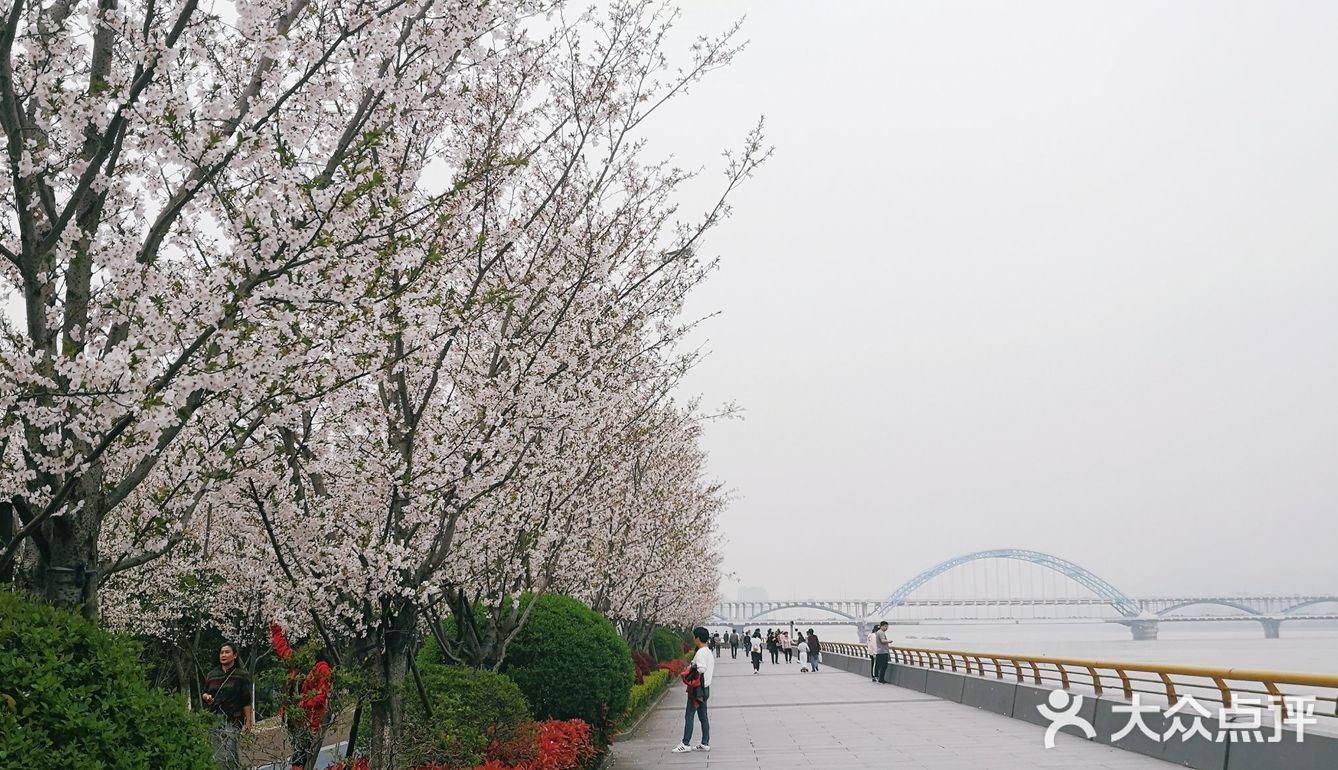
{"x":835,"y":720}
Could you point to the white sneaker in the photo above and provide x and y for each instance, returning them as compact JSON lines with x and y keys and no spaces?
{"x":682,"y":748}
{"x":701,"y":747}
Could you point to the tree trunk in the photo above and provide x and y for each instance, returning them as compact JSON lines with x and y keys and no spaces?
{"x":391,"y":667}
{"x":64,"y":572}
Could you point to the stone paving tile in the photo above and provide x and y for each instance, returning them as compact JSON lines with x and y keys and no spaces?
{"x":782,"y":719}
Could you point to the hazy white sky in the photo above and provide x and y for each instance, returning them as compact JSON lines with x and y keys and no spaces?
{"x":1052,"y":275}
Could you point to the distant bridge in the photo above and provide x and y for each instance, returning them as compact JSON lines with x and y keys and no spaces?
{"x":1141,"y":615}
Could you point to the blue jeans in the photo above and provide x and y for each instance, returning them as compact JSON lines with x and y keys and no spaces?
{"x":813,"y":661}
{"x":700,"y":712}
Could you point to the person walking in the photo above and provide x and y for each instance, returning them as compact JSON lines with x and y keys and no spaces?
{"x":871,"y":643}
{"x":882,"y":651}
{"x":697,"y":677}
{"x":734,"y":644}
{"x":756,"y":650}
{"x":814,"y":651}
{"x":773,"y":646}
{"x":227,"y":692}
{"x":801,"y":656}
{"x":787,"y":649}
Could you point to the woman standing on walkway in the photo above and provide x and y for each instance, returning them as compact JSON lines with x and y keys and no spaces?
{"x":773,"y":646}
{"x":786,"y":648}
{"x":755,"y":650}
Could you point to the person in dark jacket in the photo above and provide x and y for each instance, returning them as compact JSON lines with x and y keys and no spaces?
{"x":813,"y":650}
{"x":227,"y":692}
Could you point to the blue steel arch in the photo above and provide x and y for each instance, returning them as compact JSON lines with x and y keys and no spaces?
{"x":1123,"y":604}
{"x":1320,"y":600}
{"x":1234,"y":605}
{"x":803,"y":606}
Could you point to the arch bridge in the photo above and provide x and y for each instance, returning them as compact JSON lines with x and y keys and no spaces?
{"x":1142,"y":615}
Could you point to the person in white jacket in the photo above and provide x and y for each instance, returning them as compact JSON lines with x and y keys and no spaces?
{"x":882,"y":653}
{"x":704,"y":660}
{"x":872,"y":644}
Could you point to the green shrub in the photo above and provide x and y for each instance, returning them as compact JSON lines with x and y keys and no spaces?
{"x":666,"y":645}
{"x":570,"y":663}
{"x":430,"y":652}
{"x":74,"y":696}
{"x":470,"y":709}
{"x":644,"y":694}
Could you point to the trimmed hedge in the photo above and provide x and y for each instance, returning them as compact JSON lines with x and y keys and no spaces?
{"x":470,"y":710}
{"x":570,"y":663}
{"x":75,"y":696}
{"x":643,"y":695}
{"x":666,"y":645}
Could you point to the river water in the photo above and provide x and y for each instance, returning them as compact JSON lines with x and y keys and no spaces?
{"x":1308,"y":646}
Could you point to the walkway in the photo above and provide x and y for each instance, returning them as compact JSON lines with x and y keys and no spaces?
{"x":834,"y":720}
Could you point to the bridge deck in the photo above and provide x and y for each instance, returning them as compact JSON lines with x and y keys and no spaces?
{"x":784,"y":719}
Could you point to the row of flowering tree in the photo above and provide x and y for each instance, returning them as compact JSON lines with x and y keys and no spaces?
{"x":350,"y":315}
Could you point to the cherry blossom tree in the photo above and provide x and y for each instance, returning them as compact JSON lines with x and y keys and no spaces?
{"x":453,"y":346}
{"x":657,"y":560}
{"x":182,"y":186}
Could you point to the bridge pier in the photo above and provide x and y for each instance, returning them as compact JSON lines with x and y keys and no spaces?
{"x":1143,"y":630}
{"x":1272,"y":628}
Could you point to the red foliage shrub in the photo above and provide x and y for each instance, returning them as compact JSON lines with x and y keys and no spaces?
{"x":642,"y":663}
{"x":357,"y":763}
{"x":674,"y":667}
{"x":553,"y":745}
{"x":280,"y":644}
{"x":515,"y":752}
{"x":563,"y":746}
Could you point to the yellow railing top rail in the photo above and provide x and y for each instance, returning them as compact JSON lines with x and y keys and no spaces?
{"x":1209,"y":672}
{"x":1206,"y":672}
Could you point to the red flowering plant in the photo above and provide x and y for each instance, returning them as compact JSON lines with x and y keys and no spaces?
{"x":308,"y":692}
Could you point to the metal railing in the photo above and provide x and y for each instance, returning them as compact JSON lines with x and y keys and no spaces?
{"x":1157,"y":682}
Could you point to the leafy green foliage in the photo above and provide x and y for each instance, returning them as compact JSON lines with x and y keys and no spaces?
{"x":431,"y":652}
{"x":644,"y":694}
{"x":74,"y":696}
{"x":666,"y":645}
{"x":570,"y":663}
{"x":470,"y":710}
